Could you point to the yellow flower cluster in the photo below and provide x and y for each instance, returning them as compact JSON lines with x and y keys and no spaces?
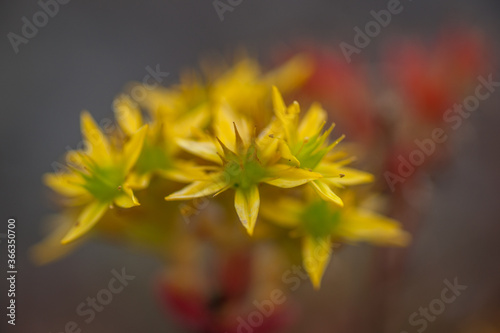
{"x":231,"y":131}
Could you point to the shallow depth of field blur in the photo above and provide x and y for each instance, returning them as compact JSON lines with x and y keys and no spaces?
{"x":401,"y":99}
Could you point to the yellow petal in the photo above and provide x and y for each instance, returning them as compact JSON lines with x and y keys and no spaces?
{"x":326,"y":192}
{"x":293,"y":111}
{"x":285,"y":212}
{"x":343,"y":176}
{"x":127,"y":114}
{"x":267,"y":141}
{"x":278,"y":103}
{"x":312,"y":121}
{"x":287,"y":154}
{"x":287,"y":176}
{"x":353,"y":177}
{"x":287,"y":116}
{"x":133,"y":147}
{"x":76,"y":158}
{"x":50,"y":248}
{"x":316,"y":253}
{"x":361,"y":225}
{"x":127,"y":199}
{"x":89,"y":216}
{"x":225,"y":121}
{"x":184,"y":172}
{"x":187,"y":124}
{"x":97,"y":144}
{"x":204,"y":149}
{"x":198,"y":189}
{"x":137,"y":181}
{"x":68,"y":184}
{"x":292,"y":74}
{"x":247,"y":204}
{"x":239,"y":145}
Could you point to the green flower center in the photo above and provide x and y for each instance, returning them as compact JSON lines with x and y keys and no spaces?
{"x":244,"y":175}
{"x":319,"y":219}
{"x":152,"y":158}
{"x":311,"y":151}
{"x":104,"y":183}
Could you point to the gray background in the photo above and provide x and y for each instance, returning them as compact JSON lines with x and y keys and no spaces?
{"x":85,"y":54}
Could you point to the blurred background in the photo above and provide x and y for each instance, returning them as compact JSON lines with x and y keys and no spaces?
{"x":86,"y":53}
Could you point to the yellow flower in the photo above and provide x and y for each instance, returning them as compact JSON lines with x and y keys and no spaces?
{"x":243,"y":161}
{"x":229,"y":129}
{"x":182,"y":107}
{"x":98,"y":176}
{"x":304,"y":144}
{"x":321,"y":223}
{"x":244,"y":86}
{"x":159,"y":152}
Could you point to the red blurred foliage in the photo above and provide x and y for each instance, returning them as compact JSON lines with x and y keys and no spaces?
{"x":342,"y":88}
{"x":433,"y":78}
{"x":226,"y":307}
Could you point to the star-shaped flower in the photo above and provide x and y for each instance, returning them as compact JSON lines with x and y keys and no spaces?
{"x":321,"y":223}
{"x":305,"y":145}
{"x":97,"y":177}
{"x":242,"y":162}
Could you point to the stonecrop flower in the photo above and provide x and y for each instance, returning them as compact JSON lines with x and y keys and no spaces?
{"x":244,"y":86}
{"x":97,"y":177}
{"x":242,"y":161}
{"x":285,"y":154}
{"x":321,"y":223}
{"x":229,"y":130}
{"x":305,"y":144}
{"x":159,"y":154}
